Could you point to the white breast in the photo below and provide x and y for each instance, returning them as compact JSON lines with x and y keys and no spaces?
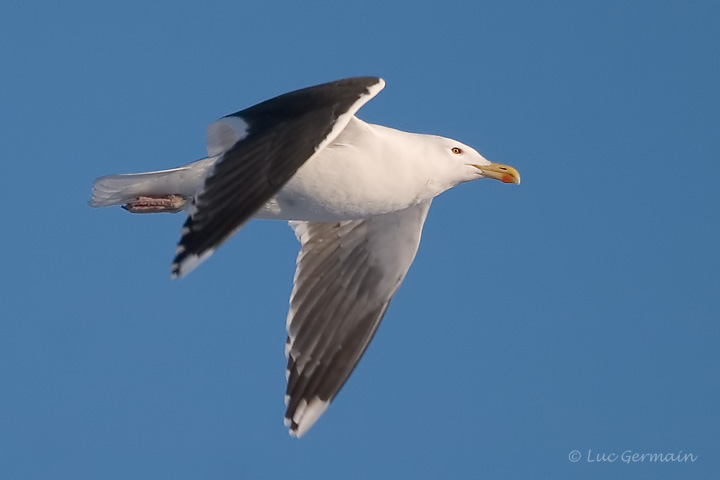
{"x":368,"y":170}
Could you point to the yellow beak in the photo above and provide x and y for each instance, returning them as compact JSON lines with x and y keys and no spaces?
{"x":498,"y":171}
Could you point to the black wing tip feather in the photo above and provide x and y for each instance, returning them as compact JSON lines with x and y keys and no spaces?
{"x":324,"y":380}
{"x":185,"y":248}
{"x":358,"y":85}
{"x":344,"y":93}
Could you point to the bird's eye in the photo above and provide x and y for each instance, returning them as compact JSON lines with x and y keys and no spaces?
{"x":456,"y":150}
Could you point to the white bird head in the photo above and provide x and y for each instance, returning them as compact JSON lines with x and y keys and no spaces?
{"x":468,"y":164}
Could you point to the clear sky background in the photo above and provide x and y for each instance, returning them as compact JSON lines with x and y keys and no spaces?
{"x":578,"y":311}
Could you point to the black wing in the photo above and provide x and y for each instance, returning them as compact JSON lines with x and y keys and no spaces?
{"x":281,"y":135}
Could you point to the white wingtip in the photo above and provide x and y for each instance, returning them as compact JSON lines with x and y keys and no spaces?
{"x":189,"y":263}
{"x":305,"y":416}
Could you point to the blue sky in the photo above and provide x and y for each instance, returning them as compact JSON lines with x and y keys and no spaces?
{"x":578,"y":311}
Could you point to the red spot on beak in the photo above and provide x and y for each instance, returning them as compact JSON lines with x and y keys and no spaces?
{"x":507,"y":179}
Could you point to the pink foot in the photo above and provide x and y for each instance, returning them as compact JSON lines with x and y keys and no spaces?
{"x":155,"y":204}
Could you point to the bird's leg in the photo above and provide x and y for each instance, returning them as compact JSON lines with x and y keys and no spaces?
{"x":156,"y":204}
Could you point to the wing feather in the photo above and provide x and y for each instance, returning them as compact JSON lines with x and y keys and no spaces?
{"x":274,"y":139}
{"x":347,"y":273}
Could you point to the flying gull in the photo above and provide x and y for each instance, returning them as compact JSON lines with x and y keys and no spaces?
{"x":356,"y":194}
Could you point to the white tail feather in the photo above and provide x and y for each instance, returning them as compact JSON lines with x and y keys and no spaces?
{"x":120,"y":189}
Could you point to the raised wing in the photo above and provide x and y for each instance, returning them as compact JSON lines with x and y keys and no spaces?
{"x":347,"y":273}
{"x":261,"y":148}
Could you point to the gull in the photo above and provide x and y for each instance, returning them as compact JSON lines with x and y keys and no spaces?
{"x":356,"y":195}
